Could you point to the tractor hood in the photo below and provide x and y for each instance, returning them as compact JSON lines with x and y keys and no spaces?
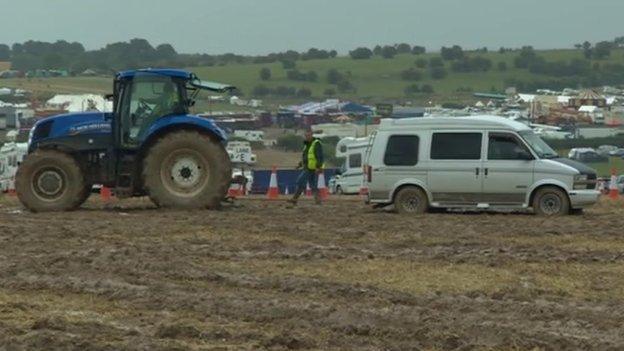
{"x":72,"y":124}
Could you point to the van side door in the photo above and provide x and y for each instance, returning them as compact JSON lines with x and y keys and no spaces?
{"x":508,"y":170}
{"x":455,"y":168}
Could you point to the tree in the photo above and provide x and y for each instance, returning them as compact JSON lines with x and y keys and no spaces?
{"x":438,"y":73}
{"x":418,"y":50}
{"x":412,"y":74}
{"x":578,"y":46}
{"x":345,"y":86}
{"x":453,"y":53}
{"x":333,"y":53}
{"x":333,"y":76}
{"x":427,"y":89}
{"x":377,"y":50}
{"x":165,"y":52}
{"x":265,"y":74}
{"x":311,"y":76}
{"x":619,"y":42}
{"x":289,"y":64}
{"x":502,"y":66}
{"x":587,"y":49}
{"x":403,"y":48}
{"x":421,"y":63}
{"x":602,"y":50}
{"x":361,"y":53}
{"x":525,"y":58}
{"x":304,"y":93}
{"x":388,"y":52}
{"x":436,"y":62}
{"x":5,"y":52}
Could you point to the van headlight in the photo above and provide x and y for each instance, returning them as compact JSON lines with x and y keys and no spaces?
{"x":580,"y":182}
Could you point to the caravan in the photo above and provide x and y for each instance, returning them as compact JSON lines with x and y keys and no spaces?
{"x":11,"y":155}
{"x":350,"y":179}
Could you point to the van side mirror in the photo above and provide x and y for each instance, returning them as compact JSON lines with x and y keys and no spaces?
{"x":109,"y":97}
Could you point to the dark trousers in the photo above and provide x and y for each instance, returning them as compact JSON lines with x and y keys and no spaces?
{"x":307,"y":177}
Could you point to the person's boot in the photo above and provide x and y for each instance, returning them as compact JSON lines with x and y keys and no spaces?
{"x":295,"y":197}
{"x":317,"y":197}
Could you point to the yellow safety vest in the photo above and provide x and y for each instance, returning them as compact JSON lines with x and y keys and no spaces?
{"x":312,"y":161}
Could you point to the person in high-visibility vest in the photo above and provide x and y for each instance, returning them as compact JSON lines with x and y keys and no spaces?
{"x":312,"y":164}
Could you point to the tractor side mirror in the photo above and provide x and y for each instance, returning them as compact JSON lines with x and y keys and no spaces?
{"x":190,"y":103}
{"x":109,"y":97}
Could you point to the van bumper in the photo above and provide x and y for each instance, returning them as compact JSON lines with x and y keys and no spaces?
{"x":582,"y":198}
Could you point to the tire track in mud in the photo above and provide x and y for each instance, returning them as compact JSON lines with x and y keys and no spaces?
{"x":184,"y":281}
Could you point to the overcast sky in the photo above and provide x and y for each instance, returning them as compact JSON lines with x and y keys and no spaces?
{"x":263,"y":26}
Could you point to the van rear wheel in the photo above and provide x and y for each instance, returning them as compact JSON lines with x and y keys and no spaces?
{"x":551,"y":201}
{"x":411,"y":200}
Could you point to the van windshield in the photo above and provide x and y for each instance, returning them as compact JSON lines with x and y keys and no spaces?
{"x":538,"y":145}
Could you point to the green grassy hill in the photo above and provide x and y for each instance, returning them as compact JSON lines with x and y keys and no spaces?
{"x":376,"y":79}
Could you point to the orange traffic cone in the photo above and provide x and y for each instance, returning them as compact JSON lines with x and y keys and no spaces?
{"x":11,"y":191}
{"x":273,"y":192}
{"x":614,"y":193}
{"x":308,"y":190}
{"x":105,"y":193}
{"x":235,"y":191}
{"x":322,"y":187}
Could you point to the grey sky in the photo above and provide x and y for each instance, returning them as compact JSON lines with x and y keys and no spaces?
{"x":263,"y":26}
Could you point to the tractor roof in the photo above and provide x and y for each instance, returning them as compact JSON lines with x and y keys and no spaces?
{"x":170,"y":72}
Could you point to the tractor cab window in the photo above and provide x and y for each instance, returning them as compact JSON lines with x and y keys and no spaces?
{"x":146,"y":100}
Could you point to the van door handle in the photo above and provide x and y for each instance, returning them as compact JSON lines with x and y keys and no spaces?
{"x":487,"y":172}
{"x":379,"y":169}
{"x":477,"y":170}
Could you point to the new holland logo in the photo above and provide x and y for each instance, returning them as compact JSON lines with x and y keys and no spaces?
{"x":90,"y":128}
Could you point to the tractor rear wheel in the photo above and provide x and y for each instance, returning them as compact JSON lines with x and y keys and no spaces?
{"x":49,"y":180}
{"x":187,"y":169}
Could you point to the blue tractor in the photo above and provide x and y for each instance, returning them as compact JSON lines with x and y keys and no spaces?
{"x":149,"y":145}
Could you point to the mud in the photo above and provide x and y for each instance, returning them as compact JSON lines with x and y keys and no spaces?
{"x":260,"y":275}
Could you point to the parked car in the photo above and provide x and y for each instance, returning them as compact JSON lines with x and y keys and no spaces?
{"x":617,"y":153}
{"x":480,"y":162}
{"x":587,"y":155}
{"x":606,"y":149}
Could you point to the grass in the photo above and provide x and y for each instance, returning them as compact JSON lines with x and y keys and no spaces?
{"x":376,"y":79}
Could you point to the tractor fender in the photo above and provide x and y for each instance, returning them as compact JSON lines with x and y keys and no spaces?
{"x":170,"y":123}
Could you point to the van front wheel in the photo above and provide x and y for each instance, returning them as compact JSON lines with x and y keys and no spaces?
{"x":551,"y":201}
{"x":411,"y":200}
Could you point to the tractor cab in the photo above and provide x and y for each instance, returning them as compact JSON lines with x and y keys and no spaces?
{"x":148,"y":145}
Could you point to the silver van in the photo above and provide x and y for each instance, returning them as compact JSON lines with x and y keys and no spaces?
{"x":479,"y":162}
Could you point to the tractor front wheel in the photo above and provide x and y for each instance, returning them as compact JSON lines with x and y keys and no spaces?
{"x":187,"y":169}
{"x":49,"y":180}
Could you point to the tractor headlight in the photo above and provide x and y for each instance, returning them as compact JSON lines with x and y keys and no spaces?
{"x":580,"y":182}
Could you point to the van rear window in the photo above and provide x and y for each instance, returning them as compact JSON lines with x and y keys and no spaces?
{"x":456,"y":146}
{"x":402,"y":150}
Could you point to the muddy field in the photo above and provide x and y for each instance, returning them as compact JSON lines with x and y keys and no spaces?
{"x":259,"y":275}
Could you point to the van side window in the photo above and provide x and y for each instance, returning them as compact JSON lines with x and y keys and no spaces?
{"x":503,"y":146}
{"x":456,"y":146}
{"x":355,"y":161}
{"x":402,"y":150}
